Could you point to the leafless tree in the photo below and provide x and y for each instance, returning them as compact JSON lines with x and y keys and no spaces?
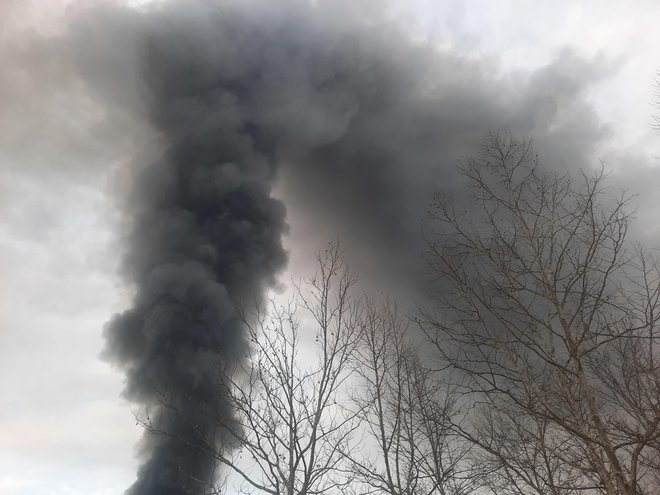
{"x":549,"y":315}
{"x":291,"y":429}
{"x":405,"y":412}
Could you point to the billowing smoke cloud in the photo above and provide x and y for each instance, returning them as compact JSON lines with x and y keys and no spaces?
{"x":225,"y":90}
{"x":421,"y":112}
{"x":358,"y":123}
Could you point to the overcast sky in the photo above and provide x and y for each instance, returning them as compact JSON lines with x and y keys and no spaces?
{"x":64,"y":429}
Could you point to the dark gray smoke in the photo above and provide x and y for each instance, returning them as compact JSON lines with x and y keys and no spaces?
{"x":360,"y":124}
{"x":205,"y":234}
{"x":420,"y":113}
{"x":224,"y":90}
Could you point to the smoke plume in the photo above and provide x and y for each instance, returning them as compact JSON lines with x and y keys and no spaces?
{"x":356,"y":123}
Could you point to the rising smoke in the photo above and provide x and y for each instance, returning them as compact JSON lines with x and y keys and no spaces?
{"x":356,"y":123}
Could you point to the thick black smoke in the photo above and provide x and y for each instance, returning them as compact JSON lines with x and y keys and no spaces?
{"x":224,"y":90}
{"x":360,"y":124}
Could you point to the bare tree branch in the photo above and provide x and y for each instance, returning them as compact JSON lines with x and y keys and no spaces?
{"x":549,"y":317}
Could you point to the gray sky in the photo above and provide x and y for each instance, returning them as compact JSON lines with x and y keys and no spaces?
{"x":63,"y":427}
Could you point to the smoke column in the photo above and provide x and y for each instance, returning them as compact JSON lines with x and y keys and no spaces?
{"x":205,"y":232}
{"x":360,"y":123}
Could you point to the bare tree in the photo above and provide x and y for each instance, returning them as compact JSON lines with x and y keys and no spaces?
{"x":406,"y":415}
{"x":290,"y":428}
{"x":550,"y":318}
